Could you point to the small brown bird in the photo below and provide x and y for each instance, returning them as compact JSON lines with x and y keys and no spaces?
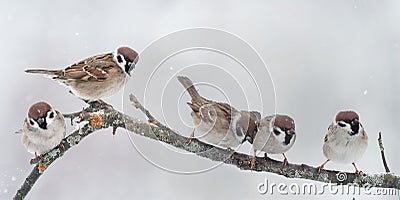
{"x":275,"y":134}
{"x":43,"y":129}
{"x":95,"y":77}
{"x":220,"y":123}
{"x":346,"y":140}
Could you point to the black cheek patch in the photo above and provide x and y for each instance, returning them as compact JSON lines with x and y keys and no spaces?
{"x":128,"y":68}
{"x":119,"y":58}
{"x":355,"y":128}
{"x":288,"y":137}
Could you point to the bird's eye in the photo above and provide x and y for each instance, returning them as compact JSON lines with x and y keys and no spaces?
{"x":51,"y":116}
{"x":290,"y":132}
{"x":276,"y":132}
{"x":119,"y":58}
{"x":31,"y":122}
{"x":342,"y":124}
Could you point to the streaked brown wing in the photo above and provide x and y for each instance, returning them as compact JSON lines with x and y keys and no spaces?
{"x":90,"y":69}
{"x":226,"y":109}
{"x":247,"y":121}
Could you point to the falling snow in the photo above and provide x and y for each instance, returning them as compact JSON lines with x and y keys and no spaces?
{"x":365,"y":92}
{"x":13,"y":178}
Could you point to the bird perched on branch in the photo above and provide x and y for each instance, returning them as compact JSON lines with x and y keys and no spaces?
{"x":346,"y":140}
{"x":275,"y":134}
{"x":95,"y":77}
{"x":43,"y":128}
{"x":219,"y":123}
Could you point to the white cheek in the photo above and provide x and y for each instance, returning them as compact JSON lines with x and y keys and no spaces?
{"x":347,"y":128}
{"x":281,"y":137}
{"x":120,"y":64}
{"x":35,"y":125}
{"x":50,"y":120}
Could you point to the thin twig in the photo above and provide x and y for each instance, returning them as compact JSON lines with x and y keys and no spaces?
{"x":383,"y":153}
{"x":139,"y":106}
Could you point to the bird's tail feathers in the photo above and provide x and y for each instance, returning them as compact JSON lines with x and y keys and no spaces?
{"x":188,"y":84}
{"x":50,"y":73}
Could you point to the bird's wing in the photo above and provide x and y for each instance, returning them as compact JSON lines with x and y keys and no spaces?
{"x":20,"y":131}
{"x":96,"y":68}
{"x":246,"y":124}
{"x":211,"y":112}
{"x":330,"y":132}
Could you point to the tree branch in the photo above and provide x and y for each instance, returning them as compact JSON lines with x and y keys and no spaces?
{"x":383,"y":153}
{"x":104,"y":117}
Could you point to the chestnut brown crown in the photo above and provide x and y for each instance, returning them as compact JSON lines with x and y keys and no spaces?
{"x":284,"y":122}
{"x":38,"y":110}
{"x":129,"y":54}
{"x":346,"y":116}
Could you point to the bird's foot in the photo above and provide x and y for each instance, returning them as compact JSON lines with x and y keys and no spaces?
{"x":285,"y":161}
{"x":322,"y":166}
{"x":253,"y":162}
{"x":191,"y":137}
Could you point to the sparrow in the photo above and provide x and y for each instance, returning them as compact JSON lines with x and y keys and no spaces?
{"x":43,"y":129}
{"x":95,"y":77}
{"x":275,"y":134}
{"x":219,"y":123}
{"x":346,"y":140}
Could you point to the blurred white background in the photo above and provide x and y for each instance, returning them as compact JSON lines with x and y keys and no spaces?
{"x":323,"y":56}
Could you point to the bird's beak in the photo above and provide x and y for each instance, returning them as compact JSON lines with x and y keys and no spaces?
{"x":42,"y":123}
{"x":131,"y":67}
{"x":355,"y":122}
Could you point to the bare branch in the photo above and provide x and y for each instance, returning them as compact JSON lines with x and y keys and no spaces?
{"x":97,"y":118}
{"x":383,"y":153}
{"x":242,"y":161}
{"x":139,"y":106}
